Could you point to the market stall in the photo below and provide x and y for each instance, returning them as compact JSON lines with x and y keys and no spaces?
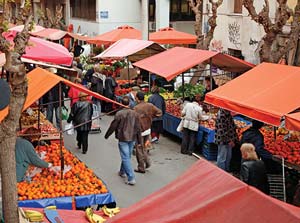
{"x":177,"y":61}
{"x":122,"y":32}
{"x":169,"y":35}
{"x":205,"y":193}
{"x":49,"y":187}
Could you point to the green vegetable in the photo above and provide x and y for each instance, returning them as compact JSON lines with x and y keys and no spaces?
{"x":189,"y":90}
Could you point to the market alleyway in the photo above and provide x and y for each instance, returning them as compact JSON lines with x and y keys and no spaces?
{"x":103,"y":157}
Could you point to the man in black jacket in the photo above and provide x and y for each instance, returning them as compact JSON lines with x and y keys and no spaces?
{"x":255,"y":137}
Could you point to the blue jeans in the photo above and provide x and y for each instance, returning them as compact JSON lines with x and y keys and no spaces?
{"x":50,"y":110}
{"x":224,"y":157}
{"x":125,"y":149}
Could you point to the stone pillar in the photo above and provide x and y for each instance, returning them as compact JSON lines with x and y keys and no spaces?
{"x":162,"y":14}
{"x":67,"y":12}
{"x":145,"y":19}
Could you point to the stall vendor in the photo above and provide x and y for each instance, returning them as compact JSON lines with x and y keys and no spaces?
{"x":25,"y":156}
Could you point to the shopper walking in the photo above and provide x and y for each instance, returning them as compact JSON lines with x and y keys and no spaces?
{"x":191,"y":115}
{"x":109,"y":92}
{"x":126,"y":126}
{"x":51,"y":99}
{"x":81,"y":112}
{"x":147,"y":112}
{"x":225,"y":138}
{"x":157,"y":123}
{"x":98,"y":85}
{"x":132,"y":96}
{"x":253,"y":171}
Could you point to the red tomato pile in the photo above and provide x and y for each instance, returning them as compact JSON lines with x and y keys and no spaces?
{"x":173,"y":108}
{"x":80,"y":180}
{"x":290,"y":151}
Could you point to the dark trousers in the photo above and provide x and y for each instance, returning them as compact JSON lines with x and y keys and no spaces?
{"x":188,"y":141}
{"x":142,"y":156}
{"x":82,"y":139}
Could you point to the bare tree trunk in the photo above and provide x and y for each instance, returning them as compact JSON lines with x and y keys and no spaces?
{"x":271,"y":50}
{"x":8,"y":126}
{"x":203,"y":42}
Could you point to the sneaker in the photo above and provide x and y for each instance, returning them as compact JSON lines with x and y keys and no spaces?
{"x":123,"y":175}
{"x":131,"y":182}
{"x":154,"y":139}
{"x":139,"y":171}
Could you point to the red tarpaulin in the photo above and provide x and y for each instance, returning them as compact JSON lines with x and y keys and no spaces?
{"x":171,"y":36}
{"x":177,"y":60}
{"x":40,"y":81}
{"x":292,"y":121}
{"x":36,"y":28}
{"x":43,"y":50}
{"x":207,"y":194}
{"x":266,"y":93}
{"x":127,"y":47}
{"x":122,"y":32}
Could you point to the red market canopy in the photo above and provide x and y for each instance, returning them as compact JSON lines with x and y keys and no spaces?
{"x":122,"y":32}
{"x":171,"y":36}
{"x":137,"y":49}
{"x":40,"y":81}
{"x":207,"y":194}
{"x":57,"y":34}
{"x":43,"y":50}
{"x":173,"y":62}
{"x":292,"y":121}
{"x":19,"y":28}
{"x":267,"y":93}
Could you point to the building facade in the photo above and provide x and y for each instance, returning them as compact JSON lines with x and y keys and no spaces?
{"x":235,"y":34}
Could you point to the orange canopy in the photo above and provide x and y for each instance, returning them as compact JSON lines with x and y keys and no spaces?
{"x":122,"y":32}
{"x":171,"y":36}
{"x":170,"y":63}
{"x":41,"y":81}
{"x":266,"y":93}
{"x":292,"y":121}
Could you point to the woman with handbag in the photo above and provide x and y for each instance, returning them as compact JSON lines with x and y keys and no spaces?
{"x":191,"y":115}
{"x":81,"y":114}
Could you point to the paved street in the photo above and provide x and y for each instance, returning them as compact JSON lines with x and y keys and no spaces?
{"x":103,"y":157}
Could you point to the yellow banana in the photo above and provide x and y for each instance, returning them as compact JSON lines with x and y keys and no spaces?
{"x":53,"y":207}
{"x":115,"y":210}
{"x":92,"y":217}
{"x":107,"y":212}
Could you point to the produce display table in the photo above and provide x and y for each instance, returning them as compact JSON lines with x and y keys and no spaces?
{"x":170,"y":123}
{"x":66,"y":202}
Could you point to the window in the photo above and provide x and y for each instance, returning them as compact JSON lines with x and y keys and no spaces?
{"x":238,"y":6}
{"x":181,"y":11}
{"x":83,"y":9}
{"x":152,"y":10}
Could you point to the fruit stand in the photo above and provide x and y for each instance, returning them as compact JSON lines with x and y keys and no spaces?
{"x":80,"y":187}
{"x":69,"y":183}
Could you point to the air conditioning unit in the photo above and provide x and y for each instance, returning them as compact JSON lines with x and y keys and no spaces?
{"x":152,"y":26}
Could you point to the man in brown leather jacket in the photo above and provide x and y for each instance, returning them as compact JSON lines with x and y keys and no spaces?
{"x":147,"y":112}
{"x":126,"y":126}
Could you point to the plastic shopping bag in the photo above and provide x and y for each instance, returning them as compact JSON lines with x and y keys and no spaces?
{"x":180,"y":126}
{"x":69,"y":128}
{"x":64,"y":113}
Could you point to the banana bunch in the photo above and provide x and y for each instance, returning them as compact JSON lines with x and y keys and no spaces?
{"x":92,"y":217}
{"x":34,"y":216}
{"x":110,"y":212}
{"x":53,"y":207}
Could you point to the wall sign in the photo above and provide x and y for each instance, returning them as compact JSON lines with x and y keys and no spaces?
{"x":103,"y":14}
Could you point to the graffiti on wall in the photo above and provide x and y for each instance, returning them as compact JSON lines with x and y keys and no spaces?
{"x":234,"y":34}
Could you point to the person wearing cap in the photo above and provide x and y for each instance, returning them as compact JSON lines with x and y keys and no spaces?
{"x":157,"y":123}
{"x":254,"y":136}
{"x":147,"y":112}
{"x":81,"y":114}
{"x":132,"y":96}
